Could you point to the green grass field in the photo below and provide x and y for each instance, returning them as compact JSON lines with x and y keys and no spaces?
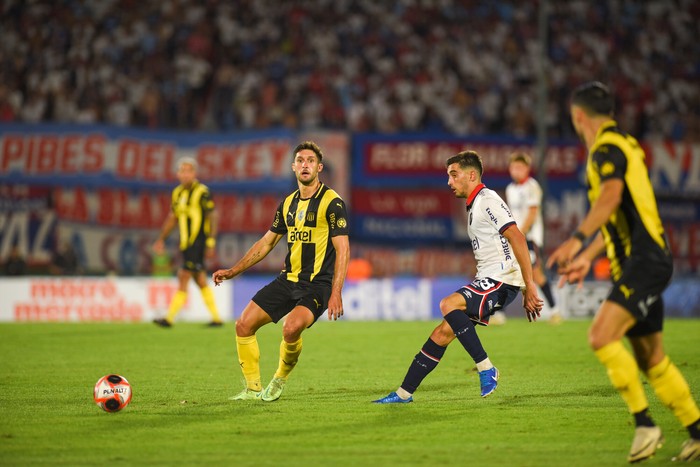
{"x":554,"y":405}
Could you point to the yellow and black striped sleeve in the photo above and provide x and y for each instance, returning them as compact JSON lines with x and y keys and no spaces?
{"x":611,"y":162}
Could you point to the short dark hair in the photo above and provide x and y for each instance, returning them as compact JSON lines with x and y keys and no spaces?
{"x":520,"y":157}
{"x":309,"y":145}
{"x":594,"y":98}
{"x":467,"y":159}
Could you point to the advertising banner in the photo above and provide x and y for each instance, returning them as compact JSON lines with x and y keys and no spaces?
{"x":81,"y":299}
{"x":401,"y":197}
{"x":107,"y":190}
{"x":141,"y":299}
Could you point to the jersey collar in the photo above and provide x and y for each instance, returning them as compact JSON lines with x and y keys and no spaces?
{"x":605,"y":127}
{"x":473,"y":194}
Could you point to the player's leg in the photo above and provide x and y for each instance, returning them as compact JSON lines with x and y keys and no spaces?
{"x":295,"y":323}
{"x":252,"y":319}
{"x":456,"y":309}
{"x":201,"y":278}
{"x":610,"y":325}
{"x":423,"y":363}
{"x":178,"y":300}
{"x":670,"y":387}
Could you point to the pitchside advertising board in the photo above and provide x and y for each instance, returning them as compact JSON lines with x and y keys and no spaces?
{"x":112,"y":299}
{"x":106,"y":190}
{"x":48,"y":299}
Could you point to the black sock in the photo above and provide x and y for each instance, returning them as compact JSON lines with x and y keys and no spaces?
{"x":425,"y":361}
{"x":466,"y":334}
{"x":547,"y":291}
{"x":694,"y":429}
{"x":643,"y":418}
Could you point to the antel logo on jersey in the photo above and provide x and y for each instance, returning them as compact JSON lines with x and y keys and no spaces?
{"x":300,"y":236}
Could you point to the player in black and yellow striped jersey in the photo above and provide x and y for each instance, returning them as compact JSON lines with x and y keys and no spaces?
{"x":314,"y":219}
{"x":625,"y":217}
{"x":192,"y":210}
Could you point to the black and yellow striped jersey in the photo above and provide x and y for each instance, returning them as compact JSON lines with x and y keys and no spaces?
{"x":191,"y":206}
{"x":635,"y":229}
{"x":310,"y":225}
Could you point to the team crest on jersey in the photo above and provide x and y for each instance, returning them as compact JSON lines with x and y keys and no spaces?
{"x":310,"y":216}
{"x":342,"y":223}
{"x":607,"y":168}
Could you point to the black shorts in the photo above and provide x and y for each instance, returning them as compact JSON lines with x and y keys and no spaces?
{"x":193,"y":255}
{"x":639,"y":292}
{"x":280,"y":296}
{"x":484,"y":297}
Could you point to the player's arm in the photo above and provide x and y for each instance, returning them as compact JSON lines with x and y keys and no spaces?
{"x":607,"y":203}
{"x":168,"y":226}
{"x":611,"y":165}
{"x":576,"y":270}
{"x":529,"y":219}
{"x":253,"y":256}
{"x":341,"y":243}
{"x":337,"y":218}
{"x":212,"y":217}
{"x":531,"y":302}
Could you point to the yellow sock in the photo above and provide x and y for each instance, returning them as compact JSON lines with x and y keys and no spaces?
{"x":624,"y":375}
{"x":289,"y":356}
{"x":208,"y":296}
{"x":176,"y":305}
{"x":673,"y":390}
{"x":249,"y":358}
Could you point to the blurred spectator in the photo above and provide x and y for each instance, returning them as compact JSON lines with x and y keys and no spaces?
{"x":442,"y":65}
{"x":15,"y":264}
{"x":64,"y":261}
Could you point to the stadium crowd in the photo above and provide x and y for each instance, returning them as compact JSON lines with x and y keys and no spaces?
{"x":463,"y":67}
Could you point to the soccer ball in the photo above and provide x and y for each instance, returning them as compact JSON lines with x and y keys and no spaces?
{"x":112,"y":393}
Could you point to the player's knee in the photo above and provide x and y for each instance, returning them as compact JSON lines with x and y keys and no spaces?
{"x":243,"y":329}
{"x":596,"y":339}
{"x":447,"y":305}
{"x":292,"y":329}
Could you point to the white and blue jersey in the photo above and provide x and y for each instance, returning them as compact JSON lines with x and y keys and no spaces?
{"x":488,"y":217}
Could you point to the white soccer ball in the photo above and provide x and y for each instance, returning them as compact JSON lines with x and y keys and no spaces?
{"x":112,"y":393}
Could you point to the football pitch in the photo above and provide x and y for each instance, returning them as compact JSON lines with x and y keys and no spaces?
{"x":554,"y":405}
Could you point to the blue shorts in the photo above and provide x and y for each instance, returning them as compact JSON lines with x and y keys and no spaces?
{"x":484,"y":297}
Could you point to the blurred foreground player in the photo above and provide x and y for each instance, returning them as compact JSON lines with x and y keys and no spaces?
{"x":193,"y":212}
{"x":625,"y":221}
{"x":314,"y":219}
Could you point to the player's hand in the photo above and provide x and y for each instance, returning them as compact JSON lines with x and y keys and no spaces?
{"x":159,"y":246}
{"x":532,"y":302}
{"x":335,"y":307}
{"x":566,"y":252}
{"x":221,"y":275}
{"x":574,"y":272}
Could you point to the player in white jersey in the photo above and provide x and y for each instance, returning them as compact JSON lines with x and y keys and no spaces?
{"x":503,"y":269}
{"x":524,"y":197}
